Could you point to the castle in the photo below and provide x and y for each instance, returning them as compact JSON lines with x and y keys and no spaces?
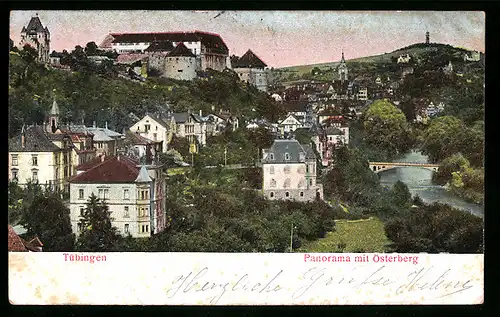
{"x":37,"y":37}
{"x":177,"y":55}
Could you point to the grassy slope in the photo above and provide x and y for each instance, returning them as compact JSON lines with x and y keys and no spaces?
{"x":382,"y":58}
{"x":359,"y":235}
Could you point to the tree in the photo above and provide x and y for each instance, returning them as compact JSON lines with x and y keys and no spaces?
{"x":11,"y":44}
{"x":439,"y":140}
{"x":48,"y":218}
{"x":451,"y":164}
{"x":91,"y":49}
{"x":400,"y":194}
{"x":97,"y":233}
{"x":386,"y":127}
{"x":29,"y":54}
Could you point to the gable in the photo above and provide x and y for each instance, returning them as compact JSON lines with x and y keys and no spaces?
{"x":147,"y":120}
{"x":290,"y":120}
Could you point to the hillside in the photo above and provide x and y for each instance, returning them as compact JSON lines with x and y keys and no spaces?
{"x":86,"y":94}
{"x":418,"y":51}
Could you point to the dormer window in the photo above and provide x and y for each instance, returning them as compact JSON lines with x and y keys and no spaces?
{"x":287,"y":156}
{"x":271,"y":156}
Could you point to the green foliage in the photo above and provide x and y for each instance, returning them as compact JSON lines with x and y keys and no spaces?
{"x":436,"y":228}
{"x":439,"y":139}
{"x":347,"y":238}
{"x":43,"y":214}
{"x":400,"y":194}
{"x":386,"y":127}
{"x":350,"y":179}
{"x":49,"y":219}
{"x":92,"y":92}
{"x":453,"y":163}
{"x":98,"y":234}
{"x":448,"y":135}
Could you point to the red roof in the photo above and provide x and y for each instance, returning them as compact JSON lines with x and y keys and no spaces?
{"x":117,"y":169}
{"x":15,"y":242}
{"x":18,"y":244}
{"x":88,"y":165}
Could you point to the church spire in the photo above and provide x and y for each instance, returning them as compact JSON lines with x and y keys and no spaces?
{"x":54,"y":115}
{"x":54,"y":111}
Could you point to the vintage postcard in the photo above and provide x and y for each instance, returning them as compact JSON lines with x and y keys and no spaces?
{"x":246,"y":157}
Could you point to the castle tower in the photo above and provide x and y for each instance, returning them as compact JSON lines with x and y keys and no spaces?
{"x":342,"y":69}
{"x":38,"y":37}
{"x":53,"y":116}
{"x":427,"y":37}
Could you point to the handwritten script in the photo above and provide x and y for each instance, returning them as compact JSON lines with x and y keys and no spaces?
{"x":433,"y":282}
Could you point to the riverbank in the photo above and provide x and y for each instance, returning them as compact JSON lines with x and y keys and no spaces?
{"x":419,"y":182}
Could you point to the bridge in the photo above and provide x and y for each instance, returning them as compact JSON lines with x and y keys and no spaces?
{"x":377,"y":167}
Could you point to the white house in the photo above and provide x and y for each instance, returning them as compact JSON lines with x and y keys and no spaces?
{"x":474,"y":56}
{"x":289,"y":124}
{"x":289,"y":172}
{"x":134,"y":193}
{"x":155,"y":128}
{"x":403,"y":59}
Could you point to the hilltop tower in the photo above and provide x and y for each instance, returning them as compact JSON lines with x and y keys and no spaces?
{"x":342,"y":69}
{"x":427,"y":37}
{"x":37,"y":37}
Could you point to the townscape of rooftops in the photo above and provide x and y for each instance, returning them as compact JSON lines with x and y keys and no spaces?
{"x":123,"y":167}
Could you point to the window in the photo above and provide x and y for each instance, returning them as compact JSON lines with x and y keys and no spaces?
{"x":287,"y":169}
{"x":287,"y":183}
{"x":310,"y":182}
{"x":126,"y":228}
{"x":271,"y":170}
{"x":14,"y":174}
{"x":80,"y":194}
{"x":126,"y":194}
{"x":179,"y":70}
{"x":273,"y":182}
{"x":301,"y":194}
{"x":106,"y":193}
{"x":271,"y":194}
{"x":142,"y":228}
{"x":271,"y":156}
{"x":287,"y":194}
{"x":147,"y":127}
{"x":147,"y":228}
{"x":34,"y":160}
{"x":307,"y":168}
{"x":14,"y":160}
{"x":156,"y":128}
{"x":34,"y":176}
{"x":287,"y":157}
{"x":101,"y":193}
{"x":82,"y":211}
{"x":126,"y":213}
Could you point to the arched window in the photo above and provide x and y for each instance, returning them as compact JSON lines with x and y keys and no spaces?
{"x":271,"y":194}
{"x":271,"y":169}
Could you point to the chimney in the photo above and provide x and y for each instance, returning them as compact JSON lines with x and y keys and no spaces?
{"x":201,"y":113}
{"x":93,"y":125}
{"x":106,"y":125}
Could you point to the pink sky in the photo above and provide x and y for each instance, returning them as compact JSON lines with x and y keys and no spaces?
{"x":280,"y":38}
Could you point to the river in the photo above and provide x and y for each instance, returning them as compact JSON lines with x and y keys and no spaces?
{"x":419,"y":182}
